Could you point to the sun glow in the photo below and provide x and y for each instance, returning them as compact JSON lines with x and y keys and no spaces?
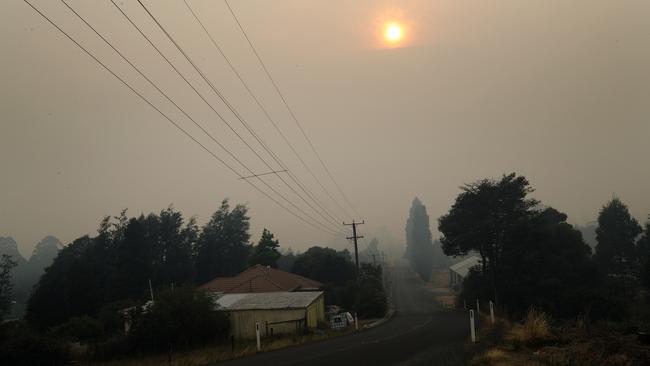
{"x":393,"y":32}
{"x":392,"y":28}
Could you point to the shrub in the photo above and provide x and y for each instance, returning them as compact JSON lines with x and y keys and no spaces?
{"x":21,"y":345}
{"x":180,"y":319}
{"x":81,"y":329}
{"x":372,"y":302}
{"x":111,"y":318}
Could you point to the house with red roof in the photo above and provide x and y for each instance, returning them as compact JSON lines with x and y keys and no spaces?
{"x":268,"y":300}
{"x":259,"y":279}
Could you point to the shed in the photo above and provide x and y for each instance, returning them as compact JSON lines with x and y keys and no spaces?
{"x":276,"y":312}
{"x":459,"y":271}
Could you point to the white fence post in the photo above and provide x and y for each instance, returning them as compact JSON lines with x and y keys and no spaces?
{"x":356,"y":322}
{"x":492,"y":311}
{"x":257,"y":336}
{"x":471,"y":325}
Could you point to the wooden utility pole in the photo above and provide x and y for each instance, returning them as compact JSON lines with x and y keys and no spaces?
{"x":355,"y":237}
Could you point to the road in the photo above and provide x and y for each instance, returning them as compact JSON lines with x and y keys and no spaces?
{"x":420,"y":333}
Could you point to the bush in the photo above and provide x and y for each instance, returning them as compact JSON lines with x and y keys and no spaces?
{"x":21,"y":345}
{"x":180,"y":319}
{"x":366,"y":296}
{"x":372,"y":302}
{"x":81,"y":329}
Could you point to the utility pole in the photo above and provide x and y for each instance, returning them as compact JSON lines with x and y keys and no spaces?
{"x":355,"y":237}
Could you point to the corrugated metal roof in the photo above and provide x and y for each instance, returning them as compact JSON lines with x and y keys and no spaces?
{"x":462,"y":268}
{"x":266,"y":300}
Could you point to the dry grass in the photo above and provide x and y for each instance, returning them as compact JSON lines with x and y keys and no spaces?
{"x":535,"y":330}
{"x":494,"y":356}
{"x":536,"y":342}
{"x":217,"y":353}
{"x":498,"y":357}
{"x":504,"y":341}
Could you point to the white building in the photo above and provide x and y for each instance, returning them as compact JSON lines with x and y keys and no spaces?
{"x":459,"y":271}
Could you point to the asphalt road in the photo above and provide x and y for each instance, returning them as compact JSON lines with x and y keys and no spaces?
{"x":420,"y":333}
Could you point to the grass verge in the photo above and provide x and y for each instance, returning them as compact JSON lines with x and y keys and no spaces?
{"x":536,"y":341}
{"x":222,"y":352}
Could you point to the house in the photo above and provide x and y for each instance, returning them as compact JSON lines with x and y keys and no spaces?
{"x":459,"y":271}
{"x":275,"y":313}
{"x":259,"y":279}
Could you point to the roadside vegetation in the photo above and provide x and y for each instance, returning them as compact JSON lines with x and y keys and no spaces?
{"x":560,"y":302}
{"x":540,"y":340}
{"x":98,"y":286}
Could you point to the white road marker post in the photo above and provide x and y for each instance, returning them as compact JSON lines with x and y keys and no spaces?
{"x":492,"y":311}
{"x":257,"y":336}
{"x":356,"y":322}
{"x":478,"y":307}
{"x":471,"y":325}
{"x":465,"y":305}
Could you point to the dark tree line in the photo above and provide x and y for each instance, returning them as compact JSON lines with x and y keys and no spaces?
{"x":531,"y":256}
{"x":118,"y":263}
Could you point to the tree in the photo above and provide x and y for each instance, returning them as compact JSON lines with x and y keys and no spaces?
{"x":173,"y":259}
{"x":6,"y":286}
{"x":223,"y":248}
{"x":20,"y":277}
{"x":419,"y":246}
{"x":643,"y":253}
{"x":616,"y":235}
{"x":482,"y":218}
{"x":546,"y":263}
{"x":371,"y":253}
{"x":266,"y":251}
{"x":286,"y":260}
{"x":70,"y":287}
{"x":325,"y":265}
{"x":134,"y":259}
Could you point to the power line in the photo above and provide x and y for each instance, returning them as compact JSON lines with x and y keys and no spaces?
{"x":182,"y":110}
{"x":268,"y":116}
{"x":234,"y":111}
{"x":220,"y":117}
{"x":174,"y":123}
{"x":289,"y":109}
{"x":267,"y":173}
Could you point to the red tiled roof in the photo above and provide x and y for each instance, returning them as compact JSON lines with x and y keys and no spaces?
{"x":261,"y":279}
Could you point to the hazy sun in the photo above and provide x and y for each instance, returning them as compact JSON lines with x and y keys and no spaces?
{"x":393,"y":32}
{"x":392,"y":28}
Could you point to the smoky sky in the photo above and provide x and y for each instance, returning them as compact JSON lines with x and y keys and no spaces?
{"x":557,"y":91}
